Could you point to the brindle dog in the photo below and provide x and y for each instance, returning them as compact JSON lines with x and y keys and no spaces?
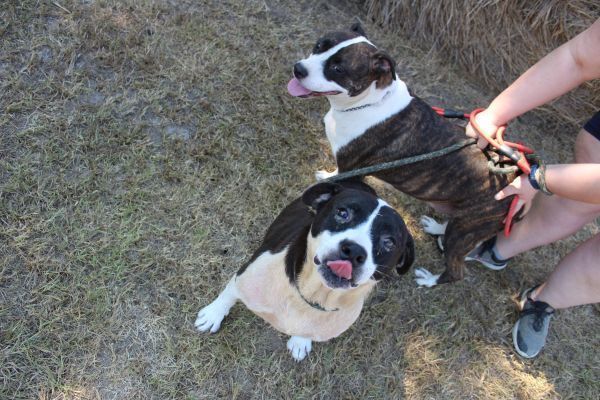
{"x":375,"y":119}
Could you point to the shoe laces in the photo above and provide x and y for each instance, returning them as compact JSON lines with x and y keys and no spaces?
{"x":539,"y":310}
{"x":487,"y":247}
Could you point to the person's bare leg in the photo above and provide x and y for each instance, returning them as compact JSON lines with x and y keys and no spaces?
{"x":575,"y":280}
{"x":551,"y":217}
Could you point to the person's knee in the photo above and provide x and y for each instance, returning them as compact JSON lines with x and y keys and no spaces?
{"x":587,"y":148}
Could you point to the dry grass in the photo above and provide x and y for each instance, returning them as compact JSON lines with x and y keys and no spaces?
{"x":496,"y":41}
{"x":144,"y":147}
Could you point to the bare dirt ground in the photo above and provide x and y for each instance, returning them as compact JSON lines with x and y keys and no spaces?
{"x":144,"y":148}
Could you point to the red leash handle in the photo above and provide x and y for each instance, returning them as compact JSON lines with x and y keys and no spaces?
{"x":513,"y":151}
{"x":512,"y":210}
{"x":448,"y":113}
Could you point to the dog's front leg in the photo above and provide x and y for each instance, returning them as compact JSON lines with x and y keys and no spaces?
{"x":210,"y":317}
{"x":460,"y":237}
{"x":299,"y":347}
{"x":432,"y":227}
{"x":454,"y":272}
{"x":425,"y":278}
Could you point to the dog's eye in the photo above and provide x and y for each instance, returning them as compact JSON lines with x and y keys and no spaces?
{"x":338,"y":70}
{"x":322,"y":45}
{"x":342,"y":215}
{"x":388,"y":243}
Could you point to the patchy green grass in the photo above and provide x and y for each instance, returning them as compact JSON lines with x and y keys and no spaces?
{"x":144,"y":148}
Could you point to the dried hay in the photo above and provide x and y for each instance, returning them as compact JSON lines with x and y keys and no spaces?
{"x":496,"y":41}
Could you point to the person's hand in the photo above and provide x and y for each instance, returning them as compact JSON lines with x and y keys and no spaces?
{"x":486,"y":123}
{"x":521,"y":187}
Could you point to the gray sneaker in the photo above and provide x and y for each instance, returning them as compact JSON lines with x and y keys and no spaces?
{"x":484,"y":254}
{"x":531,"y":329}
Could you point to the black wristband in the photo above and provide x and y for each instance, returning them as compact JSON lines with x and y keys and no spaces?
{"x":531,"y":177}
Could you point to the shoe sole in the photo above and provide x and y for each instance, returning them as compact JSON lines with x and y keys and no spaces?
{"x":495,"y":267}
{"x":515,"y":343}
{"x":486,"y":264}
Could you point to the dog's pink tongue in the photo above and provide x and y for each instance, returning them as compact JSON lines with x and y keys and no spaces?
{"x":296,"y":89}
{"x":342,"y":268}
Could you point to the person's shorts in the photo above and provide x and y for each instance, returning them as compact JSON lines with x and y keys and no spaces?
{"x":593,"y":125}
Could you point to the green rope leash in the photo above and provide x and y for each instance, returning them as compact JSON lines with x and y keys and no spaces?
{"x":493,"y":165}
{"x":398,"y":163}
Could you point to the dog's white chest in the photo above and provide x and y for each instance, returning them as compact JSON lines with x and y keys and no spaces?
{"x":342,"y":127}
{"x":265,"y":289}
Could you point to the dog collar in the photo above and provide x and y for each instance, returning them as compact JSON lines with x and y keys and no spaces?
{"x":366,"y":105}
{"x":314,"y":305}
{"x":356,"y":108}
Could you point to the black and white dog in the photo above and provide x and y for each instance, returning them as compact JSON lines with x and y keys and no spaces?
{"x":374,"y":118}
{"x":317,"y":263}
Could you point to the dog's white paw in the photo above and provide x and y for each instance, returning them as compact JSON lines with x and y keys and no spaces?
{"x":210,"y":317}
{"x":299,"y":347}
{"x":432,"y":227}
{"x":322,"y":174}
{"x":425,"y":278}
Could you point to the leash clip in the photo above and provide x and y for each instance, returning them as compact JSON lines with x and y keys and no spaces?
{"x":509,"y":152}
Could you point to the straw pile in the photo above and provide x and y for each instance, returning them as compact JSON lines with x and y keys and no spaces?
{"x":496,"y":40}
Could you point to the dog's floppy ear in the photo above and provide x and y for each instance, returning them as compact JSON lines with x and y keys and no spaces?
{"x":357,"y":27}
{"x":408,"y":257}
{"x":384,"y":68}
{"x":317,"y":195}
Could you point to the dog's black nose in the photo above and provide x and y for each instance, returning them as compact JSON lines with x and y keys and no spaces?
{"x":299,"y":71}
{"x":353,"y":251}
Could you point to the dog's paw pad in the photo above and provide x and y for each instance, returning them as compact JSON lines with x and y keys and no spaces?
{"x":299,"y":347}
{"x":322,"y":174}
{"x":425,"y":278}
{"x":431,"y":226}
{"x":209,"y":318}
